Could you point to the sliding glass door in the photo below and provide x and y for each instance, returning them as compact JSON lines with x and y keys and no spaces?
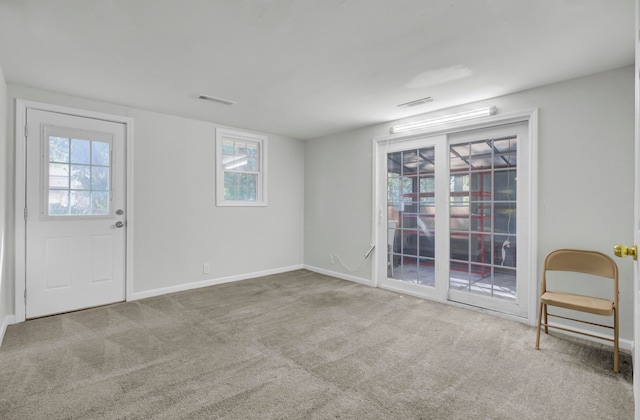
{"x":451,"y":217}
{"x":489,"y":218}
{"x":410,"y":179}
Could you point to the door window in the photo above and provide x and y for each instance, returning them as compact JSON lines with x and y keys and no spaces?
{"x":411,"y":215}
{"x":78,"y":176}
{"x":482,"y":202}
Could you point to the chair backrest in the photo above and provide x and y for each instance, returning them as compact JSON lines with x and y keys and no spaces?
{"x":581,"y":261}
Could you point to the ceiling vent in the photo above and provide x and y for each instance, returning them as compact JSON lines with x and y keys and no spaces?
{"x":418,"y":102}
{"x":214,"y":99}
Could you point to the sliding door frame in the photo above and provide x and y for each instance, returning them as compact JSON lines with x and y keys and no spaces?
{"x":529,"y":269}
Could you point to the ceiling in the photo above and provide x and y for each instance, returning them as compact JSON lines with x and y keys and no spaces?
{"x":307,"y":68}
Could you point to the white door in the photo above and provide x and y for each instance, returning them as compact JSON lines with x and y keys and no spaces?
{"x":489,"y":216}
{"x":75,"y":221}
{"x":636,"y":231}
{"x":411,"y":175}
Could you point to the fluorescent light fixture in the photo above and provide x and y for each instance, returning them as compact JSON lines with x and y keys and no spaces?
{"x":462,"y":116}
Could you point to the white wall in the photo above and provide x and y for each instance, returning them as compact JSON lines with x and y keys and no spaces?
{"x":5,"y":306}
{"x":177,"y":226}
{"x":586,"y":167}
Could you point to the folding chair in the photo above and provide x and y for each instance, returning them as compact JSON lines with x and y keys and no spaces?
{"x":587,"y":262}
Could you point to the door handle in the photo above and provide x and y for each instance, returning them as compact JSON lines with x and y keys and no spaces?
{"x":623,"y":251}
{"x":119,"y":224}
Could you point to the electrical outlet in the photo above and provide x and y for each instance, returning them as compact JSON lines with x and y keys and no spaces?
{"x":206,"y":268}
{"x":332,"y":259}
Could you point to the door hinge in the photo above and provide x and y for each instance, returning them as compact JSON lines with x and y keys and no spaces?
{"x":26,"y":213}
{"x":26,"y":130}
{"x":25,"y":295}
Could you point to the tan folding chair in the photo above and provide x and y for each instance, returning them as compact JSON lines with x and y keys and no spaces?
{"x":587,"y":262}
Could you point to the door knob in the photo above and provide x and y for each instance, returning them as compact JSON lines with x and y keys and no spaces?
{"x":623,"y":251}
{"x":119,"y":224}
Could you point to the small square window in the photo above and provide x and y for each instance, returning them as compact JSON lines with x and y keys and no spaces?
{"x":240,"y":168}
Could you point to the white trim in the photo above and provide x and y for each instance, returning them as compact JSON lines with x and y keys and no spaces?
{"x":397,"y":288}
{"x":635,"y":354}
{"x":377,"y":216}
{"x":534,"y":289}
{"x":21,"y":107}
{"x":130,"y":212}
{"x":338,"y":275}
{"x":624,"y":344}
{"x":20,"y":203}
{"x":8,"y":320}
{"x":212,"y":282}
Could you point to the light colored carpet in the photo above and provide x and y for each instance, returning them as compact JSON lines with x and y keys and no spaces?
{"x":300,"y":345}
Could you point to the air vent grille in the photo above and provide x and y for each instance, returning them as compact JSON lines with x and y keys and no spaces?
{"x":417,"y":102}
{"x":215,"y":99}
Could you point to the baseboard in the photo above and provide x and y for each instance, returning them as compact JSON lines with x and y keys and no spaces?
{"x":211,"y":282}
{"x":8,"y":320}
{"x":625,"y":345}
{"x":342,"y":276}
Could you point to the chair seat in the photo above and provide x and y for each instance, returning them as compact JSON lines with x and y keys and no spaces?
{"x":588,"y":304}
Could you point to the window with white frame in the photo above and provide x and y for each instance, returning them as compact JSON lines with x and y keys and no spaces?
{"x":241,"y":168}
